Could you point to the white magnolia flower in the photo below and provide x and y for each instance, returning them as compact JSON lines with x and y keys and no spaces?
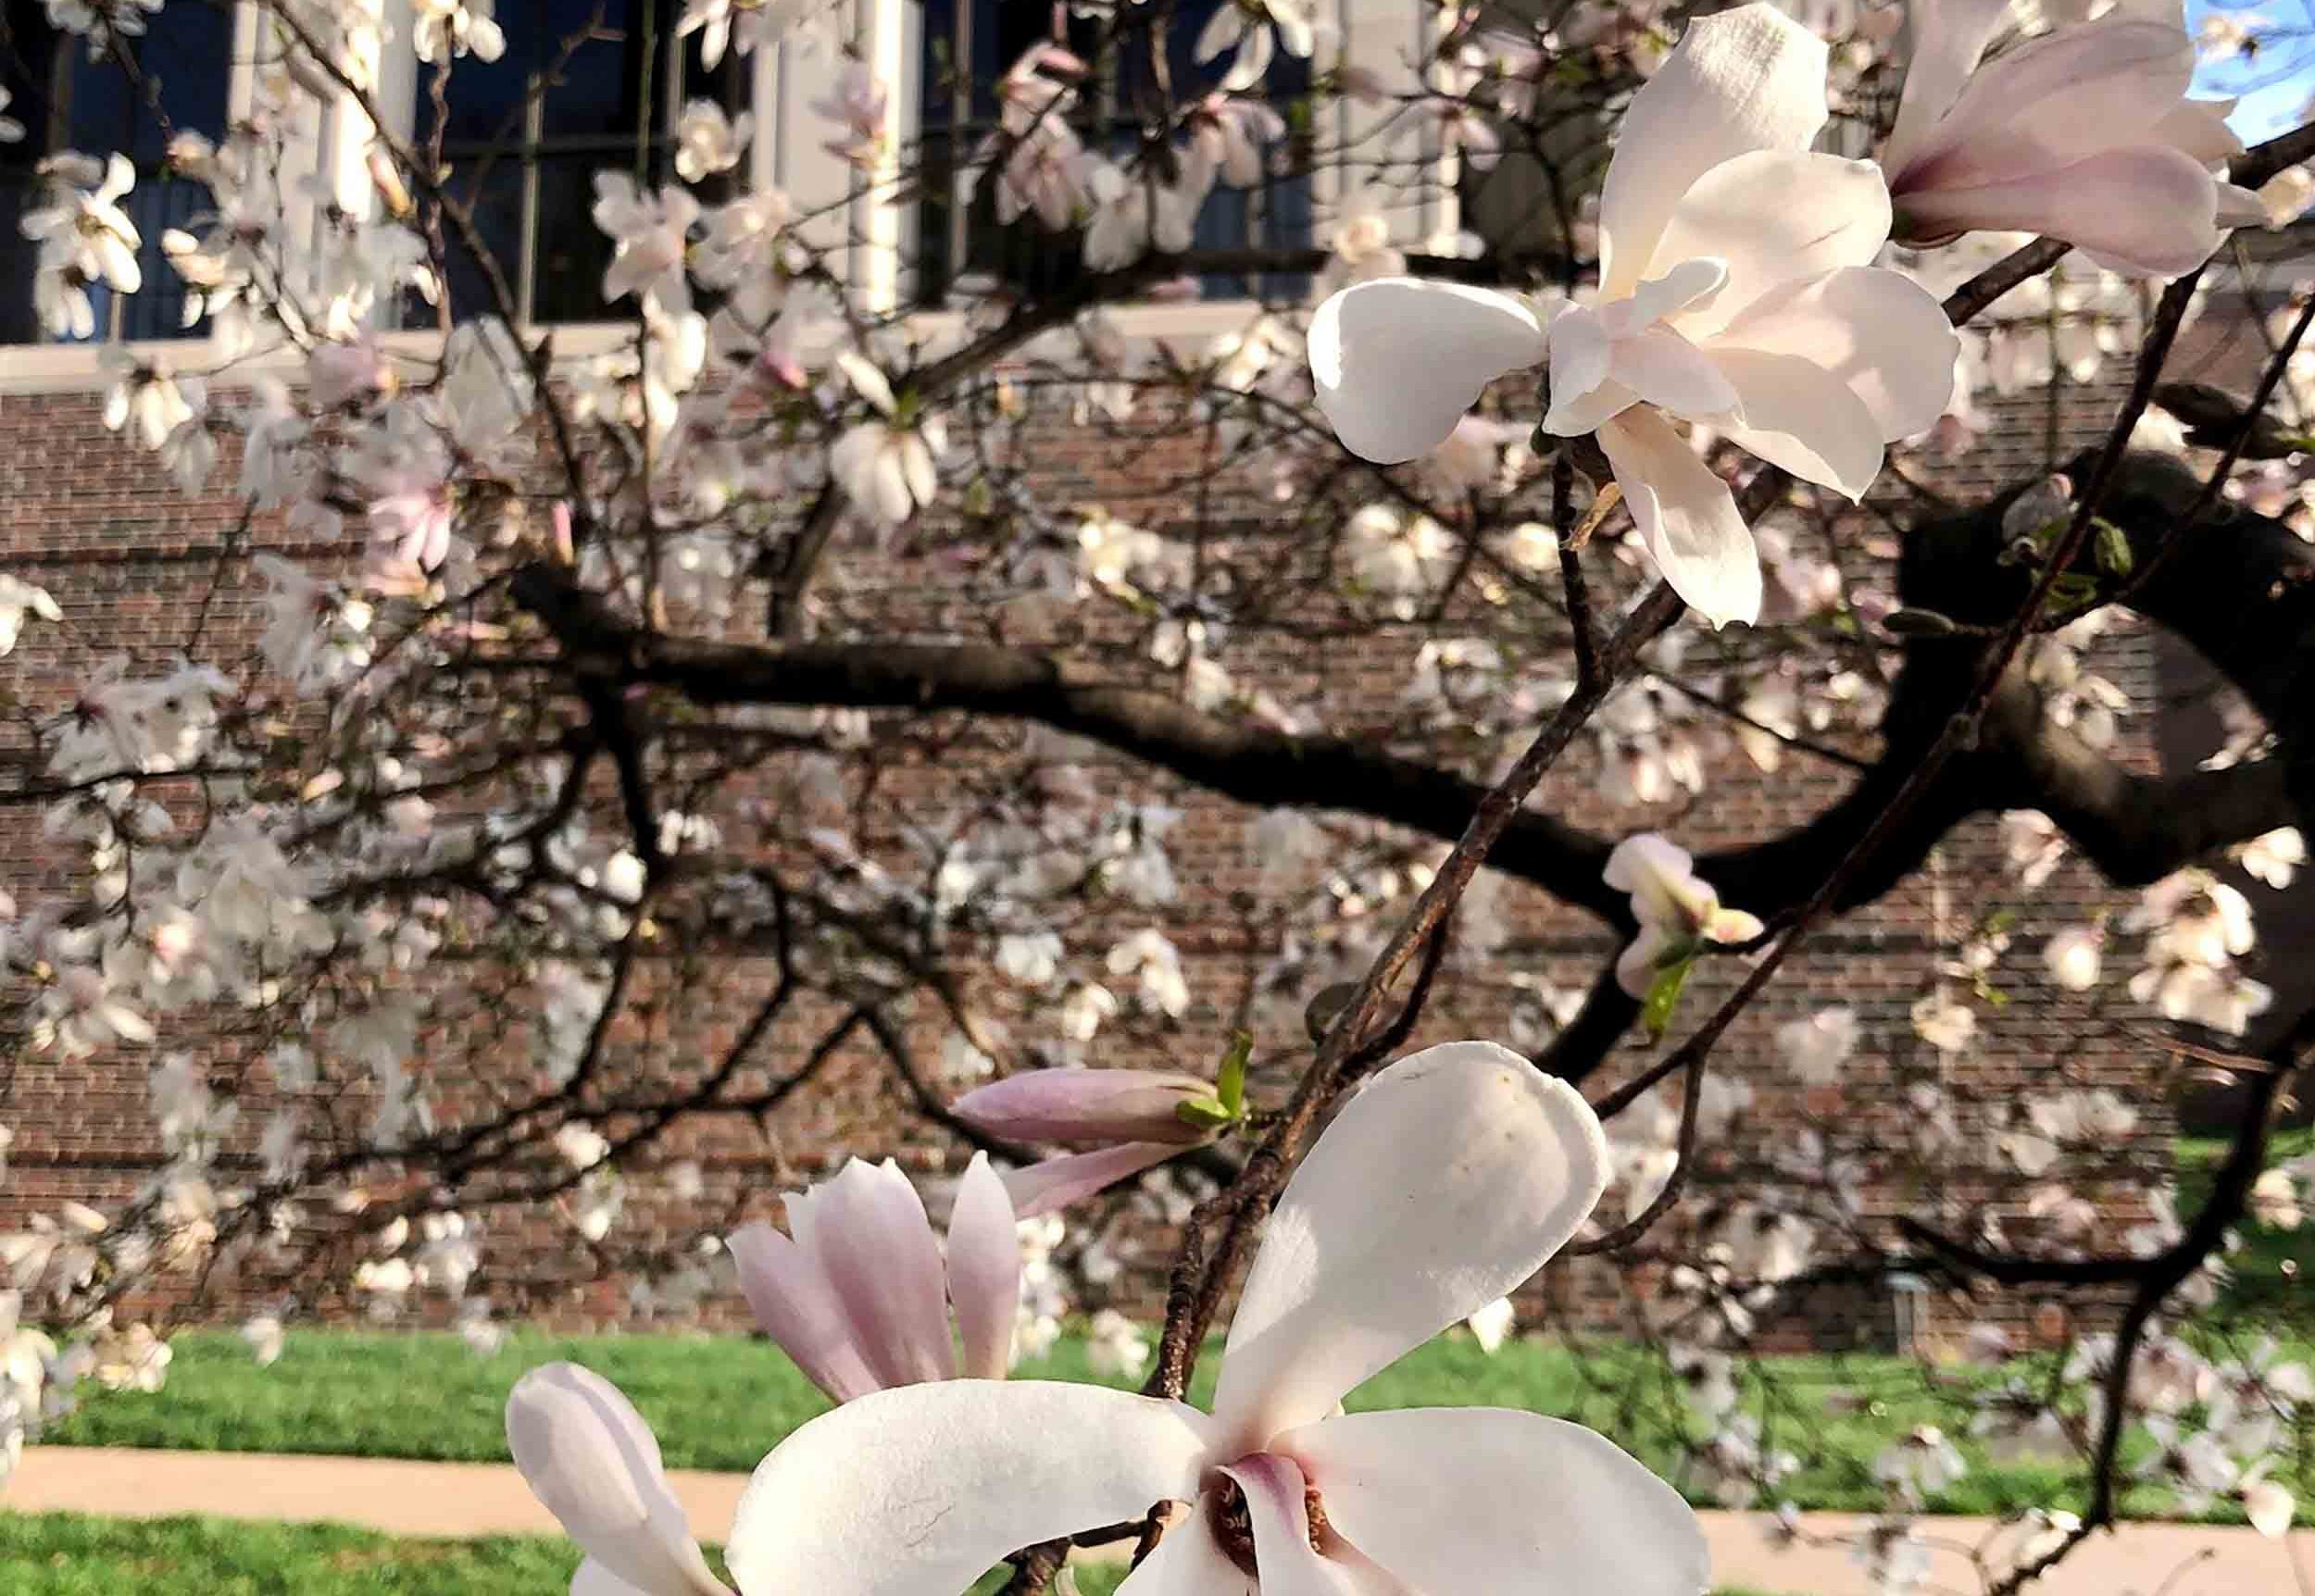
{"x":19,"y":599}
{"x":2072,"y":957}
{"x":1115,"y":1346}
{"x":887,"y":469}
{"x":1736,"y":289}
{"x":1678,"y":911}
{"x":742,"y":25}
{"x":1245,"y":25}
{"x":707,"y":142}
{"x":1816,"y":1046}
{"x":1447,"y":1181}
{"x":84,"y":237}
{"x":262,"y":1333}
{"x":650,"y":234}
{"x":448,"y":28}
{"x":2273,"y":857}
{"x":587,"y":1454}
{"x":2084,"y":134}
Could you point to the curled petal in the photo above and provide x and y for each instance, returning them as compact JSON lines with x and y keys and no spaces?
{"x":1054,"y":1184}
{"x":1880,"y":333}
{"x":1687,"y":515}
{"x":587,"y":1454}
{"x":2147,"y":210}
{"x":1750,"y":79}
{"x":868,"y":1229}
{"x":1279,"y":1511}
{"x":1799,"y":415}
{"x":1443,"y":1183}
{"x":1188,"y":1561}
{"x":1668,"y":372}
{"x":1534,"y":1502}
{"x":923,"y":1488}
{"x":1396,"y":362}
{"x":983,"y":1271}
{"x":2055,"y":99}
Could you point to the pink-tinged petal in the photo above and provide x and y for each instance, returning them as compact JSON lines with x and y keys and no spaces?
{"x":1094,"y":1105}
{"x":597,"y":1579}
{"x":1745,"y":212}
{"x":2053,"y":100}
{"x":586,"y":1454}
{"x":2198,"y":127}
{"x":1396,"y":362}
{"x":922,"y":1489}
{"x":1443,"y":1182}
{"x":1280,"y":1515}
{"x":2147,"y":211}
{"x":1642,"y":960}
{"x":1750,"y":79}
{"x":1666,"y":370}
{"x":983,"y":1271}
{"x":1188,"y":1561}
{"x":1054,"y":1183}
{"x":2239,"y":206}
{"x":1948,"y":38}
{"x":794,"y":1300}
{"x":1799,"y":415}
{"x":1535,"y":1503}
{"x":869,"y":1232}
{"x":1687,"y":515}
{"x":1880,"y":332}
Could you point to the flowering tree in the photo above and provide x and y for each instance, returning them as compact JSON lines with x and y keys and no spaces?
{"x":760,"y":691}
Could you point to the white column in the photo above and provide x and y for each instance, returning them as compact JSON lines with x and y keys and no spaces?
{"x":791,"y":151}
{"x":1389,"y":40}
{"x":887,"y":30}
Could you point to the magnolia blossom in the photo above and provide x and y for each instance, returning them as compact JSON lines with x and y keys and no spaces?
{"x":2084,"y":134}
{"x":650,"y":234}
{"x":1816,"y":1046}
{"x":1128,"y":1118}
{"x":1247,"y":25}
{"x":19,"y":599}
{"x":448,"y":28}
{"x":2072,"y":957}
{"x":588,"y":1455}
{"x":707,"y":142}
{"x":84,"y":237}
{"x":887,"y":468}
{"x":1446,"y":1181}
{"x":1678,"y":911}
{"x":1736,"y":289}
{"x":854,"y":1292}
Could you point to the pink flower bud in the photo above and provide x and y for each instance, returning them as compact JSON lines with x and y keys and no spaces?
{"x":1087,"y":1105}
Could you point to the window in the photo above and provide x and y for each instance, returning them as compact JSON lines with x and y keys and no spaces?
{"x":582,"y":87}
{"x":68,"y":101}
{"x":968,"y":45}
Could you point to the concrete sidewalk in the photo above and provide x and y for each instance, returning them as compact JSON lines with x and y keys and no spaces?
{"x":456,"y":1499}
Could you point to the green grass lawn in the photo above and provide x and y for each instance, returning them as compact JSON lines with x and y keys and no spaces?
{"x":2272,"y":1276}
{"x":68,"y":1554}
{"x":721,"y":1403}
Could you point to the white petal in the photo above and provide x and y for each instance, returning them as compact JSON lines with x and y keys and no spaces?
{"x":795,"y":1303}
{"x":1776,"y":216}
{"x":2198,"y":127}
{"x":1666,"y":369}
{"x":1948,"y":37}
{"x":1188,"y":1561}
{"x":588,"y":1455}
{"x":1879,"y":332}
{"x":916,"y":461}
{"x":1751,"y":79}
{"x":983,"y":1271}
{"x":1535,"y":1503}
{"x":2150,"y":211}
{"x":1686,"y":517}
{"x":1579,"y":361}
{"x":1396,"y":362}
{"x":596,"y":1579}
{"x":922,"y":1489}
{"x":1052,"y":1183}
{"x":1799,"y":415}
{"x":1693,"y":278}
{"x":1221,"y":31}
{"x":1447,"y":1181}
{"x":868,"y":1229}
{"x":1582,"y":415}
{"x":1280,"y":1515}
{"x":1252,"y":62}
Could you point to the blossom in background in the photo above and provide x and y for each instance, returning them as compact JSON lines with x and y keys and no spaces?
{"x":448,"y":28}
{"x":1129,"y":1118}
{"x":742,"y":25}
{"x":707,"y":142}
{"x":19,"y":599}
{"x":1443,"y":1183}
{"x":1736,"y":289}
{"x":854,"y":1292}
{"x":1247,"y":26}
{"x":650,"y":234}
{"x":2084,"y":134}
{"x":84,"y":238}
{"x":588,"y":1455}
{"x":1115,"y":1346}
{"x":1678,"y":911}
{"x":884,"y":466}
{"x":1816,"y":1046}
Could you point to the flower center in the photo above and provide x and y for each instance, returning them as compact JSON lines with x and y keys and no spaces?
{"x":1232,"y":1523}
